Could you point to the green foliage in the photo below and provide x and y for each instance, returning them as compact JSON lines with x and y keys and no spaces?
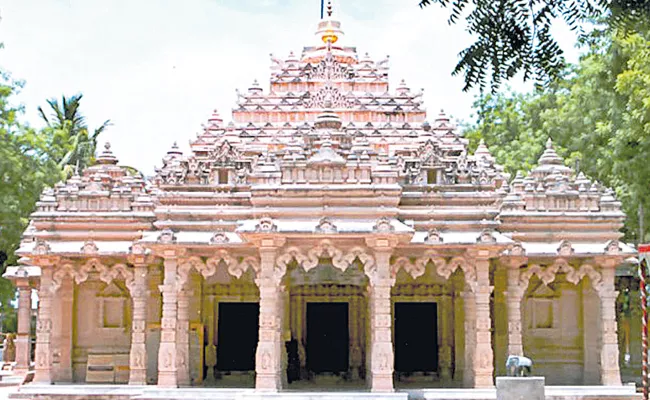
{"x":25,"y":169}
{"x":599,"y":119}
{"x":73,"y":146}
{"x":31,"y":160}
{"x":514,"y":36}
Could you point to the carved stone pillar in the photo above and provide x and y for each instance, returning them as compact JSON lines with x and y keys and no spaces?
{"x":514,"y":295}
{"x":43,"y":369}
{"x":459,"y":338}
{"x":446,"y":314}
{"x":268,"y":358}
{"x":23,"y":345}
{"x":609,"y":369}
{"x":167,"y":351}
{"x":484,"y":356}
{"x":382,"y":360}
{"x":65,"y":295}
{"x":183,"y":338}
{"x":210,"y":348}
{"x":138,"y":353}
{"x":355,"y":340}
{"x":469,"y":308}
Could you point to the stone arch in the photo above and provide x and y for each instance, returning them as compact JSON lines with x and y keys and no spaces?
{"x":67,"y":270}
{"x":325,"y":248}
{"x":118,"y":271}
{"x":209,"y":267}
{"x":446,"y":268}
{"x":93,"y":264}
{"x":413,"y":269}
{"x":548,"y":274}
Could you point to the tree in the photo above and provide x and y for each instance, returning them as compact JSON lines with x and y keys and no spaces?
{"x":25,"y":168}
{"x":599,"y":119}
{"x":73,"y":146}
{"x":514,"y":36}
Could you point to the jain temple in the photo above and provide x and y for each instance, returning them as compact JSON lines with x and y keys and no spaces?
{"x":334,"y":235}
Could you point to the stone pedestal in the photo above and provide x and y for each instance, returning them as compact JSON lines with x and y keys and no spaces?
{"x":529,"y":388}
{"x":167,"y":350}
{"x":138,"y":353}
{"x":43,"y":369}
{"x":382,"y":358}
{"x":23,"y":346}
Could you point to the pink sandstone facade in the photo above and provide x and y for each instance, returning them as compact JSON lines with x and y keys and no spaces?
{"x":327,"y":188}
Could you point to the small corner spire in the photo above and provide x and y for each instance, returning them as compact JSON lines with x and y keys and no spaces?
{"x":329,"y":8}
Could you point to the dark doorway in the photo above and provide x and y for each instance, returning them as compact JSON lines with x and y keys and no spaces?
{"x":237,"y":336}
{"x":416,"y":337}
{"x":327,"y":337}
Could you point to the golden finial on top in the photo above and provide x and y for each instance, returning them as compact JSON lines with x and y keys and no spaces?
{"x":329,"y":29}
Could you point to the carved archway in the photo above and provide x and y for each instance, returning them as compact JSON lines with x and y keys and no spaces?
{"x":548,"y":274}
{"x":209,"y":267}
{"x":443,"y":267}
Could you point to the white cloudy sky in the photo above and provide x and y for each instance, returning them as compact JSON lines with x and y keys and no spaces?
{"x":156,"y":68}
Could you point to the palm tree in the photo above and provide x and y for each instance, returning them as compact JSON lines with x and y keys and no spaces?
{"x":68,"y":126}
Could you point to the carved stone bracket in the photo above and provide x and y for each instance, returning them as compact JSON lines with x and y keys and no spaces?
{"x":445,"y":268}
{"x":573,"y":275}
{"x":209,"y":267}
{"x":414,"y":269}
{"x":325,"y":248}
{"x":107,"y":274}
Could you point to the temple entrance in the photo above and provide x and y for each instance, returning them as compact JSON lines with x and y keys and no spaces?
{"x":416,"y":337}
{"x":327,"y":337}
{"x":237,"y":336}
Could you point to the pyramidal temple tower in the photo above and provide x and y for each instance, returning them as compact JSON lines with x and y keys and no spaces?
{"x":332,"y":232}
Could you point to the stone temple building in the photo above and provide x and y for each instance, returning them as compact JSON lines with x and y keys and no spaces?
{"x":327,"y":235}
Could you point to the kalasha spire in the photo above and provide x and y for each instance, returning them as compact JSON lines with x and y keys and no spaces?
{"x":329,"y":30}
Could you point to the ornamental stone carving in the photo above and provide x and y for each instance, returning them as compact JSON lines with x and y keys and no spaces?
{"x":383,"y":225}
{"x":167,"y":236}
{"x":433,"y":237}
{"x":41,"y":248}
{"x":325,"y":225}
{"x":517,"y":250}
{"x":89,"y":247}
{"x":548,"y":274}
{"x":138,"y":249}
{"x":324,"y":249}
{"x":219,"y":237}
{"x":486,"y":236}
{"x":266,"y":225}
{"x":247,"y":263}
{"x":613,"y":247}
{"x":565,"y":249}
{"x":414,"y":269}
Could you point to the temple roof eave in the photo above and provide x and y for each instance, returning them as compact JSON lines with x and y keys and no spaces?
{"x":18,"y":272}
